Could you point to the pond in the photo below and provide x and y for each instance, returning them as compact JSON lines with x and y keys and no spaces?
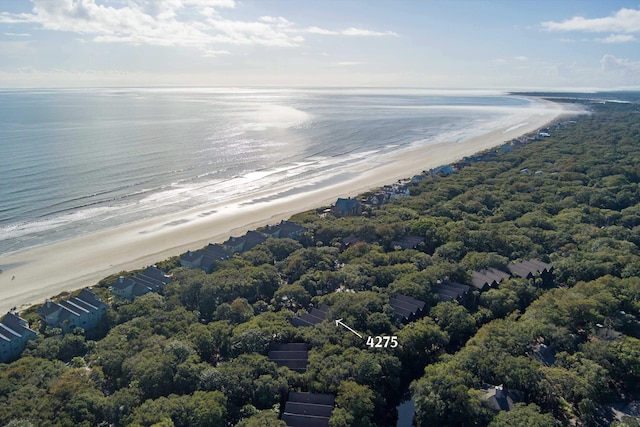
{"x":406,"y":410}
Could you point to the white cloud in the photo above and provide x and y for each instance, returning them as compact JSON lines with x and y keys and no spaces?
{"x":16,"y":18}
{"x":623,"y":21}
{"x":17,"y":34}
{"x":621,"y":71}
{"x":277,"y":20}
{"x":349,"y":63}
{"x":521,"y":58}
{"x":361,"y":32}
{"x":187,"y":23}
{"x":227,"y":4}
{"x":214,"y":53}
{"x":618,"y":38}
{"x":317,"y":30}
{"x":348,"y":32}
{"x":253,"y":33}
{"x":621,"y":65}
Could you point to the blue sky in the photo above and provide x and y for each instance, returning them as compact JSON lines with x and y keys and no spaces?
{"x":480,"y":44}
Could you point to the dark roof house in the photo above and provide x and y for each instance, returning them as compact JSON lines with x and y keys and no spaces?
{"x":489,"y":278}
{"x":544,"y":354}
{"x":350,"y":240}
{"x":449,"y":291}
{"x":205,"y":258}
{"x":346,"y":207}
{"x":408,"y":242}
{"x":284,"y":230}
{"x":294,"y":356}
{"x":308,"y":409}
{"x":151,"y":279}
{"x":14,"y":334}
{"x":533,"y":269}
{"x":244,"y":243}
{"x":312,"y":318}
{"x":406,"y":308}
{"x":442,"y":170}
{"x":499,"y":398}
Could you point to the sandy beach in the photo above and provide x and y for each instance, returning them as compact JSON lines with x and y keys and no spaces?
{"x":30,"y":276}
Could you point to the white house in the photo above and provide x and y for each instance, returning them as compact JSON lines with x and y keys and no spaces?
{"x":84,"y":311}
{"x":14,"y":334}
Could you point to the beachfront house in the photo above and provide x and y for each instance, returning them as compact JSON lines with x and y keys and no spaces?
{"x":376,"y":199}
{"x":346,"y":207}
{"x":396,"y":190}
{"x":14,"y":334}
{"x":445,"y":170}
{"x":206,"y":258}
{"x":284,"y":230}
{"x":151,"y":279}
{"x":82,"y":311}
{"x":417,"y":179}
{"x":244,"y":243}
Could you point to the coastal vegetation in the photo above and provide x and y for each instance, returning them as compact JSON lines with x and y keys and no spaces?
{"x":196,"y":354}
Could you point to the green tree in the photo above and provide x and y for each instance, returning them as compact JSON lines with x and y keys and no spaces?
{"x":523,"y":416}
{"x":455,"y":320}
{"x":292,"y":297}
{"x":443,"y":397}
{"x":420,"y":342}
{"x":354,"y":406}
{"x":266,"y":418}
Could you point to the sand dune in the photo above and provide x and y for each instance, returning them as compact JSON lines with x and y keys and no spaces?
{"x":32,"y":275}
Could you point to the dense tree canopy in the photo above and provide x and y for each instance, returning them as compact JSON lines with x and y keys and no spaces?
{"x":197,"y":353}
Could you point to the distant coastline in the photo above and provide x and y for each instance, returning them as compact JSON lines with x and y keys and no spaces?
{"x":79,"y":262}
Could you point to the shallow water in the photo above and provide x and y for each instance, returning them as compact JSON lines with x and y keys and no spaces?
{"x":78,"y":161}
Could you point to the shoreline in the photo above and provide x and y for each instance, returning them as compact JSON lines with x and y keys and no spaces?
{"x":68,"y":265}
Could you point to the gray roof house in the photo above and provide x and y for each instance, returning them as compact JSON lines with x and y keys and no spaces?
{"x":14,"y":334}
{"x":351,"y":240}
{"x":406,"y":308}
{"x":533,"y":269}
{"x":488,"y":278}
{"x":346,"y":207}
{"x":312,"y":318}
{"x":284,"y":230}
{"x":499,"y":398}
{"x":205,"y":258}
{"x":449,"y":291}
{"x":294,"y":356}
{"x":308,"y":410}
{"x":408,"y":242}
{"x":84,"y":310}
{"x":244,"y":243}
{"x":151,"y":279}
{"x":377,"y":199}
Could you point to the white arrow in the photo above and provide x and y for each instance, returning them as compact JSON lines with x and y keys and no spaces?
{"x":339,"y":323}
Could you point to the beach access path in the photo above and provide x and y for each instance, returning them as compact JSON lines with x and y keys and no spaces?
{"x":32,"y":275}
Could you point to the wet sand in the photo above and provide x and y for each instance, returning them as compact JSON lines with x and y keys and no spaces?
{"x":46,"y":271}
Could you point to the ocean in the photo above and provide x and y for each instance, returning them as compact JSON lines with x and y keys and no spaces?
{"x":76,"y":161}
